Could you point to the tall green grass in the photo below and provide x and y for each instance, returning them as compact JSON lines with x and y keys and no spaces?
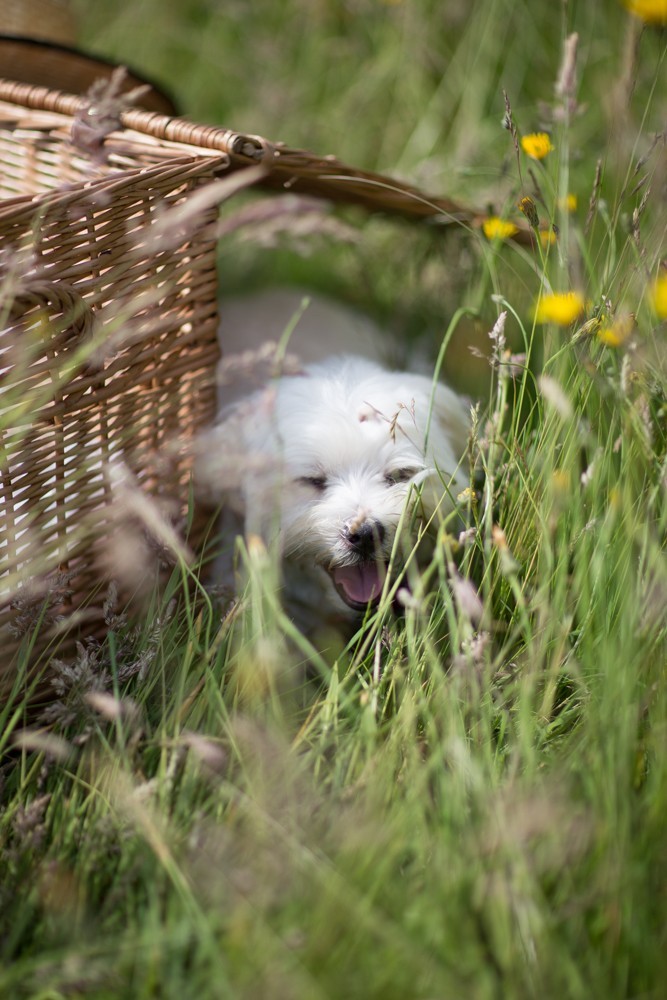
{"x":470,"y":801}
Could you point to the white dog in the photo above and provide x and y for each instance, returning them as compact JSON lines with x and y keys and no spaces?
{"x":330,"y":461}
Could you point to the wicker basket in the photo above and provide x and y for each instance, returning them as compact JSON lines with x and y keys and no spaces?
{"x":108,"y":347}
{"x":108,"y":339}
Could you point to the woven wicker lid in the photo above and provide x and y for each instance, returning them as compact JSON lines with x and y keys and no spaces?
{"x":61,"y":67}
{"x":51,"y":20}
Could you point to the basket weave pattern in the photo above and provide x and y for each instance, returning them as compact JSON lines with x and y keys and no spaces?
{"x":108,"y":345}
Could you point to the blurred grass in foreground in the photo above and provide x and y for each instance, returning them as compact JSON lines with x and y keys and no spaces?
{"x":471,"y":802}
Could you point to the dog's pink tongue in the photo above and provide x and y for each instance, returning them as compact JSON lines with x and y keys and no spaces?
{"x":361,"y":584}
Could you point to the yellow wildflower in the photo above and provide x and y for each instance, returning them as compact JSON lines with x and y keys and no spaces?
{"x":498,"y":229}
{"x":618,"y":332}
{"x":659,"y":295}
{"x":547,"y":237}
{"x":561,"y":480}
{"x":568,"y":203}
{"x":536,"y":145}
{"x":650,"y":11}
{"x":562,"y":308}
{"x":467,"y":495}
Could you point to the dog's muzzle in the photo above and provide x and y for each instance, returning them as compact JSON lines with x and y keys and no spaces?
{"x":360,"y":583}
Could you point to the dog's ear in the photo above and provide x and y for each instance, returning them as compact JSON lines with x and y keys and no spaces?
{"x":239,"y":465}
{"x":215,"y":471}
{"x":450,"y":416}
{"x":446,"y":442}
{"x":222,"y":455}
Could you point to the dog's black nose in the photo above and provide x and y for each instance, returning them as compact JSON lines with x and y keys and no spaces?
{"x":365,"y":537}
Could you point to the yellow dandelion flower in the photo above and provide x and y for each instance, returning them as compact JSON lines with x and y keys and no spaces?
{"x":536,"y":145}
{"x":650,"y":11}
{"x":659,"y":295}
{"x":617,"y":332}
{"x":547,"y":237}
{"x":498,"y":229}
{"x":561,"y":480}
{"x":568,"y":203}
{"x":561,"y":308}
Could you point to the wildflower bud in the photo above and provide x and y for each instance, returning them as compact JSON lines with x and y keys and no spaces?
{"x":467,"y":536}
{"x":529,"y":209}
{"x":466,"y":496}
{"x":466,"y":596}
{"x":508,"y":564}
{"x":407,"y":599}
{"x":256,"y":548}
{"x":498,"y":537}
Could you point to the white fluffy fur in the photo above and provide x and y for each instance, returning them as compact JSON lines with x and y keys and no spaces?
{"x":323,"y":462}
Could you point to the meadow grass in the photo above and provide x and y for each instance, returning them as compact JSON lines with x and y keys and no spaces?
{"x":471,"y":800}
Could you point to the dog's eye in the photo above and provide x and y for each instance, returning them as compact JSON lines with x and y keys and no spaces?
{"x":400,"y":476}
{"x":317,"y":482}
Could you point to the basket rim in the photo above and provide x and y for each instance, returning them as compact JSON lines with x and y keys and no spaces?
{"x":285,"y":168}
{"x":156,"y":97}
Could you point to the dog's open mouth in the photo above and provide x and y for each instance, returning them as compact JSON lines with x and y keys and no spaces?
{"x":359,"y":585}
